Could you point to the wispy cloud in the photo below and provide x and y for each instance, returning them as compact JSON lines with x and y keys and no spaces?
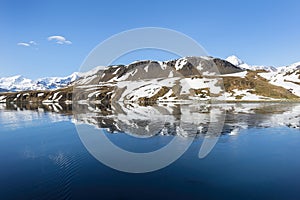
{"x":27,"y":44}
{"x":59,"y":39}
{"x":23,"y":44}
{"x":32,"y":42}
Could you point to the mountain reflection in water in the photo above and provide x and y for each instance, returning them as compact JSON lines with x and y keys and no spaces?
{"x":160,"y":119}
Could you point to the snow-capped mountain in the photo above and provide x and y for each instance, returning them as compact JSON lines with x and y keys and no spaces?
{"x":239,"y":63}
{"x":16,"y":83}
{"x":187,"y":78}
{"x":184,"y":79}
{"x":20,"y":83}
{"x":287,"y":77}
{"x":57,"y":82}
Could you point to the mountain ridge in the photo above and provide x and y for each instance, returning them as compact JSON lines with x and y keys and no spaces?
{"x":183,"y":79}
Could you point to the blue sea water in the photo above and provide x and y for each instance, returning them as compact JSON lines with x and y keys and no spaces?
{"x":42,"y":157}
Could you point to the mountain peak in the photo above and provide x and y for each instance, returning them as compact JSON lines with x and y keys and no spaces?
{"x":13,"y":79}
{"x":234,"y":60}
{"x":240,"y":63}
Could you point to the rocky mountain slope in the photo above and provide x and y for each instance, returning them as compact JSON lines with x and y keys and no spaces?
{"x":184,"y":79}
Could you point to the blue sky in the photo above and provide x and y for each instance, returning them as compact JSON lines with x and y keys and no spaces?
{"x":259,"y":32}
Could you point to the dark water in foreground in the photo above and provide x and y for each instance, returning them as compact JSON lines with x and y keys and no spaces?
{"x":256,"y":157}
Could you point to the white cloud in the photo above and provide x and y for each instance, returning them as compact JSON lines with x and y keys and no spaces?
{"x":23,"y":44}
{"x":59,"y":39}
{"x":27,"y":44}
{"x":32,"y":42}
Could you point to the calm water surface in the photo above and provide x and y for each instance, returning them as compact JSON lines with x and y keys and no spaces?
{"x":256,"y":157}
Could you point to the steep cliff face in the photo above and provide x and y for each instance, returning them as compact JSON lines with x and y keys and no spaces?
{"x":184,"y":79}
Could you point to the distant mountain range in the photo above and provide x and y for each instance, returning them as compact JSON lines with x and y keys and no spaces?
{"x":20,"y":83}
{"x":184,"y":79}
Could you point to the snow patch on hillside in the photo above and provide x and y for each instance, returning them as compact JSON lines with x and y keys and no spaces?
{"x":286,"y":77}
